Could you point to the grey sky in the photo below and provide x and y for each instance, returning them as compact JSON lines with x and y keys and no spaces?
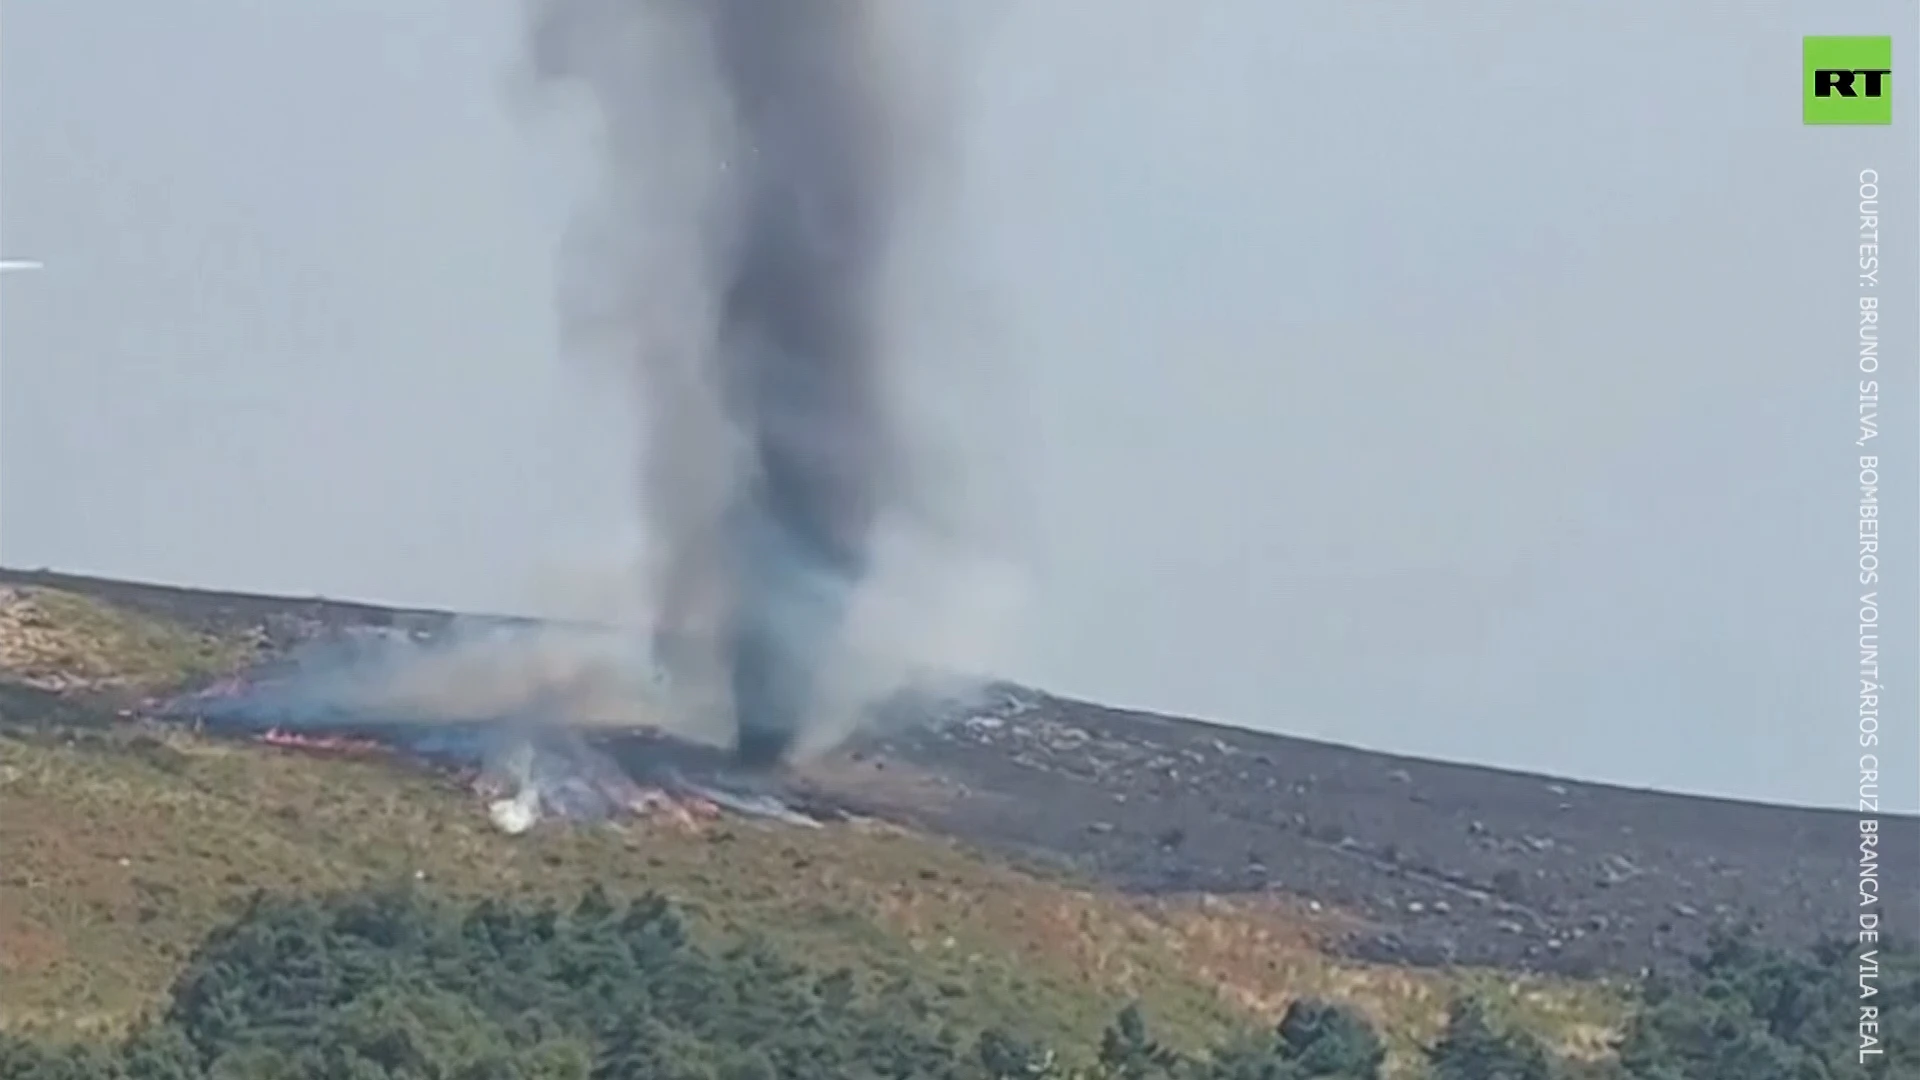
{"x":1468,"y":386}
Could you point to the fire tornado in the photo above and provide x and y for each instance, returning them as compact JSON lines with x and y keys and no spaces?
{"x":747,"y":206}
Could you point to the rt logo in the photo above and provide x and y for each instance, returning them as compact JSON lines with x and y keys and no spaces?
{"x":1846,"y":80}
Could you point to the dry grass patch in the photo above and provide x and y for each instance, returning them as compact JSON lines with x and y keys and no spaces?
{"x":59,"y":641}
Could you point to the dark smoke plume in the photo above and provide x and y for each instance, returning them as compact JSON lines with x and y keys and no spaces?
{"x":751,"y":187}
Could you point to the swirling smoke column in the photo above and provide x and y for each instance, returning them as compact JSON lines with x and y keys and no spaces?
{"x":749,"y":190}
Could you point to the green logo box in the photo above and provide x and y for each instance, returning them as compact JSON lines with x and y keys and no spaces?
{"x":1846,"y":80}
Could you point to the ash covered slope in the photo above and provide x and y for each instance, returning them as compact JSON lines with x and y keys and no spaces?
{"x":1442,"y":862}
{"x":1448,"y":863}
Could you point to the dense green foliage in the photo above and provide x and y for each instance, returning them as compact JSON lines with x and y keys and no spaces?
{"x":1758,"y":1014}
{"x":390,"y":985}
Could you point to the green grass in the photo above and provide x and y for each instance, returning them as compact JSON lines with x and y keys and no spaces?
{"x":123,"y":846}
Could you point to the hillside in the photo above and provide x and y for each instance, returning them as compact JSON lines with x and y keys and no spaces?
{"x":1041,"y":863}
{"x":1438,"y":863}
{"x":127,"y":842}
{"x":1443,"y":863}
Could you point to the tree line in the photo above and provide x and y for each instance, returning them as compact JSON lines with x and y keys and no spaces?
{"x":391,"y":984}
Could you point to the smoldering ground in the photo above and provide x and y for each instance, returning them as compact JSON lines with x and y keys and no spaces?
{"x":552,"y":719}
{"x":477,"y":672}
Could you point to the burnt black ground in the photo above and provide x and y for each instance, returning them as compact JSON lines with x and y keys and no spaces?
{"x":1443,"y":863}
{"x":1448,"y":863}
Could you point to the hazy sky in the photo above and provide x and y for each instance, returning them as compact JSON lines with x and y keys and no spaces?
{"x":1464,"y":385}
